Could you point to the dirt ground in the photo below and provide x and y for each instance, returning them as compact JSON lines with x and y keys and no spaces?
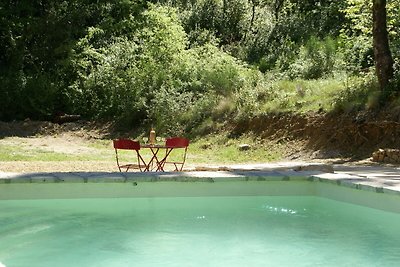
{"x":311,"y":137}
{"x":350,"y":137}
{"x":68,"y":138}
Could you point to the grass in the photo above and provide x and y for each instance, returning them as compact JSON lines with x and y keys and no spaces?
{"x":297,"y":96}
{"x":221,"y":149}
{"x":21,"y":151}
{"x":212,"y":149}
{"x":302,"y":96}
{"x":13,"y":153}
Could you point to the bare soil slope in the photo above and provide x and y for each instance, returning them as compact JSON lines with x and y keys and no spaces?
{"x":325,"y":136}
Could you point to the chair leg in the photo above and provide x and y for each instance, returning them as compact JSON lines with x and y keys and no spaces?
{"x":116,"y":157}
{"x":140,"y":161}
{"x":184,"y":159}
{"x":177,"y":169}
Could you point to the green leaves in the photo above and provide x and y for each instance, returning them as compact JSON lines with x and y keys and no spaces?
{"x":151,"y":78}
{"x":175,"y":61}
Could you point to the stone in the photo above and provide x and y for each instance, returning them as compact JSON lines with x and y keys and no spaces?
{"x":386,"y":155}
{"x":375,"y":156}
{"x":244,"y":147}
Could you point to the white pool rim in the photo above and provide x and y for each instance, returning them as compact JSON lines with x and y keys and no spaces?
{"x":198,"y":184}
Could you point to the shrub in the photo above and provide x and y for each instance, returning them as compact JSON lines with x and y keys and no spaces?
{"x":316,"y":59}
{"x":360,"y":93}
{"x":152,"y":79}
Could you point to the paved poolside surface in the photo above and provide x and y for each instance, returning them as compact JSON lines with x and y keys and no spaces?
{"x":381,"y":179}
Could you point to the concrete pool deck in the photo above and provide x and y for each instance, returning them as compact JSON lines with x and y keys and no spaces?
{"x":379,"y":179}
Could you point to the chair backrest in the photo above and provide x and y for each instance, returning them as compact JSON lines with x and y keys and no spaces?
{"x":126,"y":144}
{"x":179,"y":142}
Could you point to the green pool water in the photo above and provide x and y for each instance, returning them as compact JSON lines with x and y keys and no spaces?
{"x":196,"y":231}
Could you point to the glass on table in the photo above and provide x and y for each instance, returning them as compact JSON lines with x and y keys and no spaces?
{"x":145,"y":139}
{"x":160,"y":140}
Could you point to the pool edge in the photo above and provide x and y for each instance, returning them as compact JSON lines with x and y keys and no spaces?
{"x":339,"y":179}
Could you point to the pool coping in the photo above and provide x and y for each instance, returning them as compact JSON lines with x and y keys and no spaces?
{"x":378,"y":179}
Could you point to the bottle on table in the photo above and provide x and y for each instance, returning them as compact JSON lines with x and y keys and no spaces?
{"x":152,"y":137}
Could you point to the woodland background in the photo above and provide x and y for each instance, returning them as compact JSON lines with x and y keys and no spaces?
{"x":191,"y":65}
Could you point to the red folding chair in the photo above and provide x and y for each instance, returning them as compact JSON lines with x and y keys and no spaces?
{"x":127,"y":144}
{"x":174,"y":143}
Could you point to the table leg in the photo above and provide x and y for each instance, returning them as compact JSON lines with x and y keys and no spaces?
{"x":141,"y":161}
{"x":153,"y":159}
{"x":164,"y":160}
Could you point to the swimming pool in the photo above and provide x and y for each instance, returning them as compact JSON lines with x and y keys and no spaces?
{"x":169,"y":223}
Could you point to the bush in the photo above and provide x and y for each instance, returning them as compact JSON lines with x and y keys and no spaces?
{"x":22,"y":96}
{"x":360,"y":93}
{"x":316,"y":59}
{"x":152,"y":79}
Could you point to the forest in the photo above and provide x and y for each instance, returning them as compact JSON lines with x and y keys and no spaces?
{"x":191,"y":65}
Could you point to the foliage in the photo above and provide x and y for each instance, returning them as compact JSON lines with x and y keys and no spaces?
{"x":151,"y":79}
{"x":356,"y":34}
{"x":120,"y":77}
{"x":292,"y":27}
{"x":186,"y":66}
{"x":297,"y":96}
{"x":359,"y":94}
{"x":316,"y":59}
{"x":37,"y":40}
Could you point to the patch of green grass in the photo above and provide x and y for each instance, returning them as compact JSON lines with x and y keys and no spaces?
{"x":302,"y":96}
{"x":212,"y":149}
{"x":24,"y":153}
{"x":220,"y":149}
{"x":100,"y":144}
{"x":18,"y":153}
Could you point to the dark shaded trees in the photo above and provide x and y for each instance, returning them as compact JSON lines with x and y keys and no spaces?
{"x":37,"y":45}
{"x":52,"y":51}
{"x":382,"y":54}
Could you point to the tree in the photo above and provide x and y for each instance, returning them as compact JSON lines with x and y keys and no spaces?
{"x":383,"y":57}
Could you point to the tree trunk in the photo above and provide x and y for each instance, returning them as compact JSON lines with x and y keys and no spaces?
{"x":253,"y":14}
{"x":277,"y":7}
{"x":383,"y":57}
